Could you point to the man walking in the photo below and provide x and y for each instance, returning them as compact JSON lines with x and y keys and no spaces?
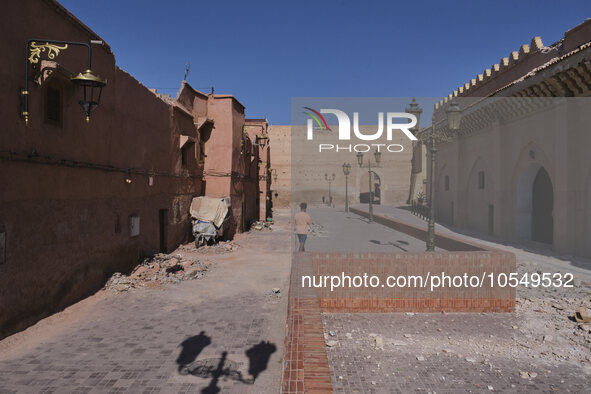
{"x":302,"y":222}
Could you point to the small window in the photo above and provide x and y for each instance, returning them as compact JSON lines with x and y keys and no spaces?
{"x":53,"y":104}
{"x":446,"y":182}
{"x":481,"y":179}
{"x":134,"y":225}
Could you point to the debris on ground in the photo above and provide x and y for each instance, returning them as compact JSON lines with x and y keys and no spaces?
{"x":260,"y":225}
{"x":317,"y":230}
{"x":379,"y":342}
{"x":581,"y":316}
{"x":274,"y":295}
{"x":159,"y":269}
{"x":219,"y":248}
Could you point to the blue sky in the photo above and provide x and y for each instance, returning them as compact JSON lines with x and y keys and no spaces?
{"x":265,"y":52}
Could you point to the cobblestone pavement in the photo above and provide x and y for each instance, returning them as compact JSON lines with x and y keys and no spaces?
{"x":438,"y":353}
{"x":214,"y":334}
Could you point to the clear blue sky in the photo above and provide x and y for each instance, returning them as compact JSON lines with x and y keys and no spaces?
{"x":265,"y":52}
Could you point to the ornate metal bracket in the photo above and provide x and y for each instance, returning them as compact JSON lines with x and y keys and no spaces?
{"x":35,"y":50}
{"x":33,"y":53}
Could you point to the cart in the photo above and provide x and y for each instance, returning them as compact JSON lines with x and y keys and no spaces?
{"x":210,"y":219}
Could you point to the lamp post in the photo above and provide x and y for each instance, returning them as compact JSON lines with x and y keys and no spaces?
{"x":329,"y":179}
{"x":346,"y":171}
{"x":91,"y":84}
{"x":454,"y":117}
{"x":377,"y":155}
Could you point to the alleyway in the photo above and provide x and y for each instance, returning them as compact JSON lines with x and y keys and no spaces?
{"x":213,"y":334}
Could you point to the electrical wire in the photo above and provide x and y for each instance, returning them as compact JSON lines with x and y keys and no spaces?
{"x":36,"y":158}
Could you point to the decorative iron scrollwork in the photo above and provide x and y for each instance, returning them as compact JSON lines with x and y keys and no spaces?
{"x":52,"y":51}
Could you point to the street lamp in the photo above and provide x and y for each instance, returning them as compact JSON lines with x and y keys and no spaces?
{"x":329,"y":179}
{"x":377,"y":155}
{"x":92,"y":85}
{"x":346,"y":171}
{"x":261,"y":141}
{"x":454,"y":117}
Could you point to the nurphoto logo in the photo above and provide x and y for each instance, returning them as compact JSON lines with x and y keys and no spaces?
{"x":344,"y":125}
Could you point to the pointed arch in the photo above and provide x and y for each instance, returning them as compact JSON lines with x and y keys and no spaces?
{"x":532,"y":162}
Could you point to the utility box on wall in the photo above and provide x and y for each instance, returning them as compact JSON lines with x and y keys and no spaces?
{"x":134,"y":225}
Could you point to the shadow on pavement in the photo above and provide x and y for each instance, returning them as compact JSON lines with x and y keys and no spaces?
{"x":258,"y":358}
{"x":529,"y":246}
{"x":222,"y":367}
{"x":375,"y":241}
{"x":191,"y":348}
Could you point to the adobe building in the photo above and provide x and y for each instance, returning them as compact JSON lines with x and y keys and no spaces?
{"x":257,"y":131}
{"x":81,"y":200}
{"x":281,"y":168}
{"x":518,"y":168}
{"x":234,"y":161}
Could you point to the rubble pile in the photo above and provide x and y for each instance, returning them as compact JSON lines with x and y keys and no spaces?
{"x":159,"y":269}
{"x":547,"y":328}
{"x":218,"y":248}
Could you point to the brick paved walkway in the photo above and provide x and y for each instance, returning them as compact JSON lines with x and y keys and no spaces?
{"x":209,"y":335}
{"x":306,"y":363}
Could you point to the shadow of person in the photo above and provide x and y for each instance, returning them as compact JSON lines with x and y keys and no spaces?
{"x":191,"y":348}
{"x":258,"y":358}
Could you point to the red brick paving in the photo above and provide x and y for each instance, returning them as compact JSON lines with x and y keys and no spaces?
{"x":305,"y":363}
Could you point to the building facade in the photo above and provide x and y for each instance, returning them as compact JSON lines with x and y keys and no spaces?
{"x":281,"y":168}
{"x":234,"y":160}
{"x":257,"y":131}
{"x":518,"y":168}
{"x":81,"y":200}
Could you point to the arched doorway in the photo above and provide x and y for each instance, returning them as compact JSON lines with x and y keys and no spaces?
{"x":535,"y":203}
{"x":376,"y":190}
{"x":542,"y":222}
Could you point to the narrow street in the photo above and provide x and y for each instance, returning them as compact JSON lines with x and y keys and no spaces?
{"x":214,"y":334}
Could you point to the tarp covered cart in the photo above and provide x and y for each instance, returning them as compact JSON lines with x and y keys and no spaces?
{"x":210,"y":219}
